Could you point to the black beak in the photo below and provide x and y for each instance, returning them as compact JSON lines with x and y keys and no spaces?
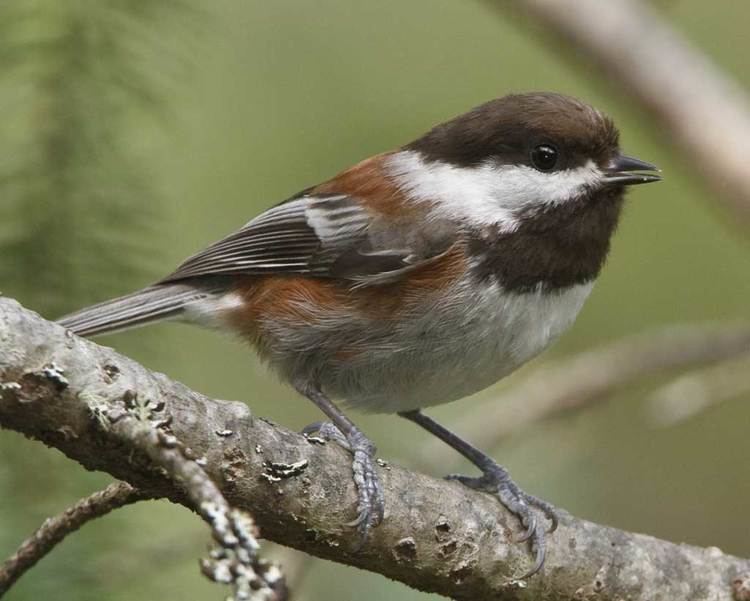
{"x":626,"y":171}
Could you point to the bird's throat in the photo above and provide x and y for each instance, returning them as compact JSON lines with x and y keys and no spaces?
{"x":563,"y":246}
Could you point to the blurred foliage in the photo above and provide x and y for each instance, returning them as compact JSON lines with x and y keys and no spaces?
{"x":71,"y":188}
{"x":281,"y":95}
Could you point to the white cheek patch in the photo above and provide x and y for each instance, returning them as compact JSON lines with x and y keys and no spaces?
{"x":487,"y":194}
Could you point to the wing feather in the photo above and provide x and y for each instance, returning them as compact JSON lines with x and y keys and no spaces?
{"x":330,"y":236}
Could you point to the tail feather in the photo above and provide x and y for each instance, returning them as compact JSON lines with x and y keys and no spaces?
{"x":154,"y":303}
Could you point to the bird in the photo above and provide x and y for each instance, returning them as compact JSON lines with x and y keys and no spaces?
{"x":416,"y":277}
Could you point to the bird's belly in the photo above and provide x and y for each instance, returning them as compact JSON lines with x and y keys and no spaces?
{"x":450,"y":350}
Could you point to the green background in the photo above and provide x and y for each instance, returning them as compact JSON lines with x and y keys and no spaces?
{"x":259,"y":99}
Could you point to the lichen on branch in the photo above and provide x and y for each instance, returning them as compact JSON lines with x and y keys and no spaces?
{"x":437,"y":536}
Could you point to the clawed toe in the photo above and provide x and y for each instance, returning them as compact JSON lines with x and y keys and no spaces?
{"x":370,"y":502}
{"x":326,"y":431}
{"x":370,"y":510}
{"x":469,"y":481}
{"x":528,"y":520}
{"x":534,"y":532}
{"x":546,"y":508}
{"x":370,"y":505}
{"x":539,"y":548}
{"x":497,"y":482}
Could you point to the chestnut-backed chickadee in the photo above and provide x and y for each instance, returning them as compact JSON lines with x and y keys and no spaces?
{"x":417,"y":276}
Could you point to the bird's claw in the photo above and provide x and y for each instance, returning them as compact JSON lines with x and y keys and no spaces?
{"x":530,"y":522}
{"x":370,"y":499}
{"x":370,"y":504}
{"x":327,"y":431}
{"x":497,"y":482}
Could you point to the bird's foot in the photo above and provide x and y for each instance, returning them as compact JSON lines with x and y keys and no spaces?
{"x":496,"y":481}
{"x":370,"y":503}
{"x":325,"y":431}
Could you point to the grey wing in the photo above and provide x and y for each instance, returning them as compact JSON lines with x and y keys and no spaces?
{"x":329,"y":236}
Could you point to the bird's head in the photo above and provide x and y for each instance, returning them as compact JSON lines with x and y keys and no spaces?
{"x":520,"y":156}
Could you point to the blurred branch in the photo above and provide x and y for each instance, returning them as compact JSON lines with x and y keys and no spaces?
{"x":701,"y":110}
{"x":696,"y":392}
{"x":572,"y":384}
{"x":297,"y":566}
{"x":438,"y":536}
{"x":55,"y":529}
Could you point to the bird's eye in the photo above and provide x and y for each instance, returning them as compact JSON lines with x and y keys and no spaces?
{"x":544,"y":157}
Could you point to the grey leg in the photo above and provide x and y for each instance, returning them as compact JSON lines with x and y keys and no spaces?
{"x":370,"y":506}
{"x":496,"y":480}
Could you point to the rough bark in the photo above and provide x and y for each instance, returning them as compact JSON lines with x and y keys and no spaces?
{"x":437,"y":536}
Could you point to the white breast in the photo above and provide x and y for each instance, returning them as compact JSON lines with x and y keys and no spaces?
{"x":456,"y":349}
{"x":442,"y":350}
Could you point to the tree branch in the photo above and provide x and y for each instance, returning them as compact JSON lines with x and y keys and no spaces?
{"x":437,"y":536}
{"x":142,"y":424}
{"x":54,"y":530}
{"x":702,"y":112}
